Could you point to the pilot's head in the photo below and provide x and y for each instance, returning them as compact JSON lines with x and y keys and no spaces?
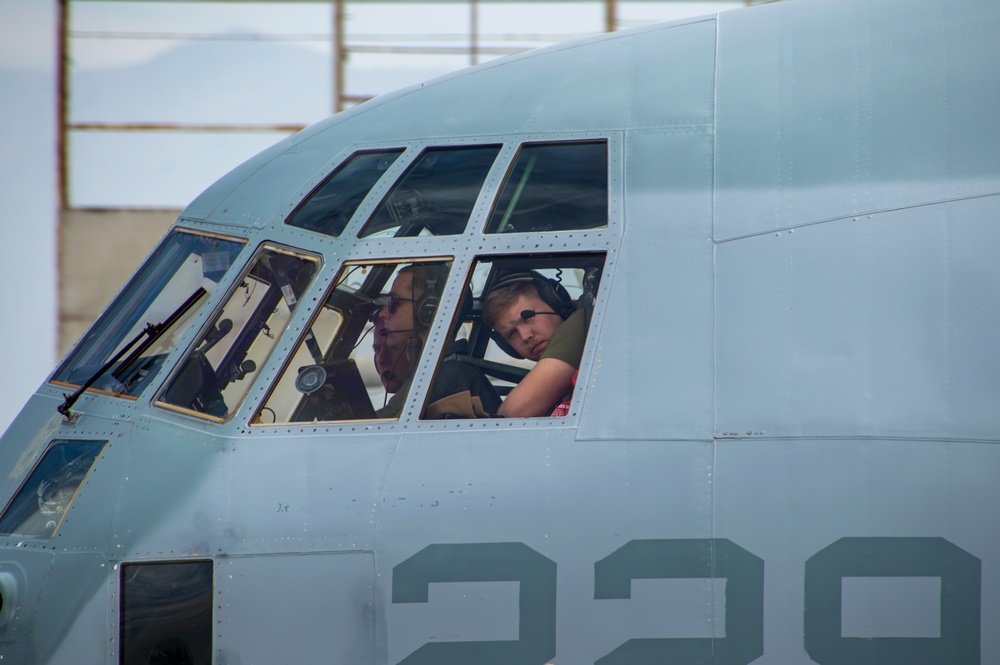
{"x":402,"y":323}
{"x":525,"y":310}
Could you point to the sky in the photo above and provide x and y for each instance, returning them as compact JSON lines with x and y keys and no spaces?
{"x":122,"y":80}
{"x":27,"y":198}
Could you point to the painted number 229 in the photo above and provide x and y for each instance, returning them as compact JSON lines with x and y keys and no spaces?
{"x":959,"y":571}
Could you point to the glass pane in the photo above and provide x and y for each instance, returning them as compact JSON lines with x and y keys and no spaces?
{"x":216,"y":376}
{"x":40,"y":505}
{"x":330,"y":206}
{"x":336,"y":374}
{"x":436,"y":194}
{"x":183,"y":263}
{"x":554,"y":187}
{"x":516,"y":311}
{"x":166,"y":613}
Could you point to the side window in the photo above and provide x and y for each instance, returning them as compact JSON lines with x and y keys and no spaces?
{"x":436,"y":194}
{"x":522,"y":325}
{"x":173,"y":282}
{"x":216,"y":375}
{"x":554,"y":187}
{"x":357,"y":359}
{"x":38,"y":508}
{"x":330,"y":206}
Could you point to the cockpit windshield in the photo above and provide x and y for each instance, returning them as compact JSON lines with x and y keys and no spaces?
{"x":331,"y":205}
{"x":559,"y":186}
{"x":436,"y":195}
{"x":184,"y":263}
{"x":359,"y":356}
{"x":216,"y":374}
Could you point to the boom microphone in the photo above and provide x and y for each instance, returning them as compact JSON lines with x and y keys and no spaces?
{"x":385,"y":331}
{"x":530,"y":314}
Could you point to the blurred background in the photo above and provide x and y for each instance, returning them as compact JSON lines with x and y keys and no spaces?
{"x":114,"y":114}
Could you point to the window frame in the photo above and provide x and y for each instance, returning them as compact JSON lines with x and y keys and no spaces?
{"x":511,"y":206}
{"x":124,"y":302}
{"x":480,"y":338}
{"x":212,"y":323}
{"x":350,"y":336}
{"x":463,"y":250}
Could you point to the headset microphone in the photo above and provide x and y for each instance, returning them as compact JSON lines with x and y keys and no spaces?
{"x":530,"y":314}
{"x":385,"y":331}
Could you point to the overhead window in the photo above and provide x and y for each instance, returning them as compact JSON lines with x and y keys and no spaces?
{"x":216,"y":375}
{"x":329,"y":207}
{"x":38,"y":508}
{"x":359,"y":357}
{"x":168,"y":289}
{"x":554,"y":187}
{"x":523,"y":323}
{"x":436,"y":195}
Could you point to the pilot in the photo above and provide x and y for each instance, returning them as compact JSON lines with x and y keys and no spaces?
{"x":400,"y":334}
{"x":534,"y":317}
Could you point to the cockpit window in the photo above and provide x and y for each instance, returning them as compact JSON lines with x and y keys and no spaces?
{"x":521,"y":316}
{"x":331,"y":205}
{"x":185,"y":267}
{"x":554,"y":187}
{"x":436,"y":195}
{"x":358,"y":357}
{"x":40,"y":505}
{"x":216,"y":375}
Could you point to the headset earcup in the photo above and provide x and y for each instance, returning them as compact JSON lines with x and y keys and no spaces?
{"x":432,"y":283}
{"x":426,"y":308}
{"x":505,"y":345}
{"x":555,"y":296}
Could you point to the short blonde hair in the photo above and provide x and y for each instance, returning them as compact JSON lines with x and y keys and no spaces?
{"x":499,"y":299}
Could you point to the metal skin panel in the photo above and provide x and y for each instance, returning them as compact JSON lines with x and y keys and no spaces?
{"x":168,"y":499}
{"x":305,"y":607}
{"x":770,"y":498}
{"x":325,"y":497}
{"x":74,"y":611}
{"x":654,"y":353}
{"x":61,"y":592}
{"x":874,"y":325}
{"x":22,"y":572}
{"x":328,"y":499}
{"x":833,"y":109}
{"x":457,"y":487}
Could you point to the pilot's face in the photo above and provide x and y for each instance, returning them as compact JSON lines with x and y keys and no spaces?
{"x":529,"y":337}
{"x":391,"y":360}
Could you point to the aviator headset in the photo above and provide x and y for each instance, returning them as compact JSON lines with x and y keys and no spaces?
{"x":551,"y":292}
{"x":429,"y":280}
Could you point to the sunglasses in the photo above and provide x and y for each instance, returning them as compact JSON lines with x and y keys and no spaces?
{"x":389,"y":302}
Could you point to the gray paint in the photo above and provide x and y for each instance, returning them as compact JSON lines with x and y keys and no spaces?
{"x":794,"y":344}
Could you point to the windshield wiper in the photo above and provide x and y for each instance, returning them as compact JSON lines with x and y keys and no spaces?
{"x":152,"y":332}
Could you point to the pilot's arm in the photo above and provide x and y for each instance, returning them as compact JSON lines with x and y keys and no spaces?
{"x":548,"y":383}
